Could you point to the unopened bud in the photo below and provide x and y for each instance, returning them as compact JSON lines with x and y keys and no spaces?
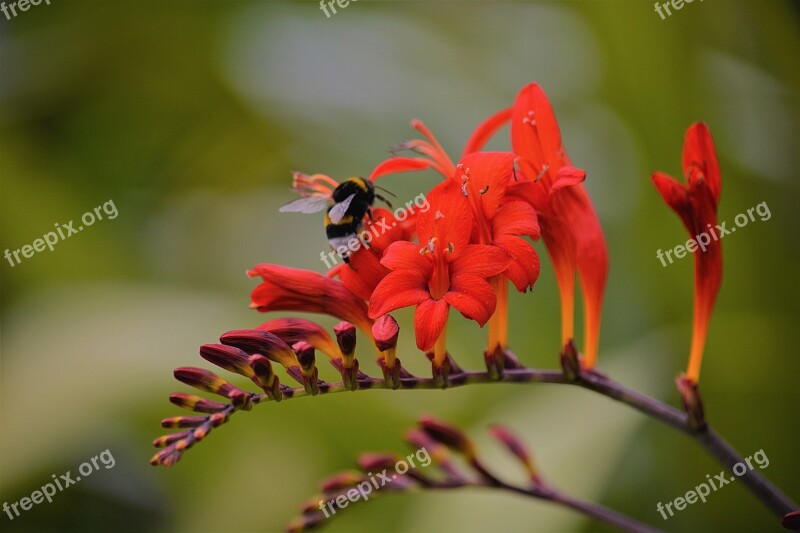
{"x":228,"y":357}
{"x":264,"y":376}
{"x":450,"y":436}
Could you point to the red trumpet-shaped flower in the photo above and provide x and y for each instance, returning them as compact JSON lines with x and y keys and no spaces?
{"x":569,"y":224}
{"x":446,"y":271}
{"x":500,"y":221}
{"x":293,"y":289}
{"x":696,"y":203}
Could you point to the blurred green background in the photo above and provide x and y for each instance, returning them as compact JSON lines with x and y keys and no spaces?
{"x":190,"y":115}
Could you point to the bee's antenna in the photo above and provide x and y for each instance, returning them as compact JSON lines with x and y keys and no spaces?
{"x":387,"y":202}
{"x":386,"y":191}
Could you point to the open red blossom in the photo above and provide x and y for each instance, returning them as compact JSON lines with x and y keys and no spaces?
{"x":446,"y":271}
{"x":569,"y":224}
{"x":696,"y":203}
{"x":499,"y":220}
{"x":293,"y":289}
{"x":549,"y":183}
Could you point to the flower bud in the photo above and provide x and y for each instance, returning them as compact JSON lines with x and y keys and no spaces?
{"x":228,"y":357}
{"x":449,"y":436}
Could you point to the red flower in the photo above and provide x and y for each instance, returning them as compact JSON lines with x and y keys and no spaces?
{"x":552,"y":186}
{"x":293,"y":289}
{"x":500,"y":221}
{"x":696,"y":203}
{"x":569,"y":224}
{"x":446,"y":271}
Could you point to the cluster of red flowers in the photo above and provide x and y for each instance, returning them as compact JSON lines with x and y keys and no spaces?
{"x":470,"y":243}
{"x":461,"y":252}
{"x":464,"y":250}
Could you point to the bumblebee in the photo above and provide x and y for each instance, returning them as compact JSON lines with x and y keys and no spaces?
{"x":352,"y":200}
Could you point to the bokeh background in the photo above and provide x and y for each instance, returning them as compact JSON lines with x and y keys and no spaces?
{"x":190,"y":115}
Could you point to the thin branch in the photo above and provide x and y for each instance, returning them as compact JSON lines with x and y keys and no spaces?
{"x":544,"y":492}
{"x":772,"y":497}
{"x":777,"y":502}
{"x":595,"y":511}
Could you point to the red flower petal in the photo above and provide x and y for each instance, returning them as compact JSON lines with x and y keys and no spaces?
{"x":485,"y":130}
{"x":479,"y":260}
{"x":473,"y":297}
{"x":567,"y":177}
{"x":400,"y":288}
{"x":533,"y":193}
{"x":675,"y":194}
{"x":384,"y":229}
{"x":516,"y":218}
{"x":406,"y":256}
{"x":487,"y":176}
{"x":429,"y":320}
{"x":449,"y":219}
{"x":535,"y":134}
{"x":399,"y":164}
{"x":699,"y":152}
{"x":523,"y":270}
{"x":363,"y":274}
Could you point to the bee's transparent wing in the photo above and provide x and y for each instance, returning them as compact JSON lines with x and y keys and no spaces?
{"x":338,"y":211}
{"x":311,"y":204}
